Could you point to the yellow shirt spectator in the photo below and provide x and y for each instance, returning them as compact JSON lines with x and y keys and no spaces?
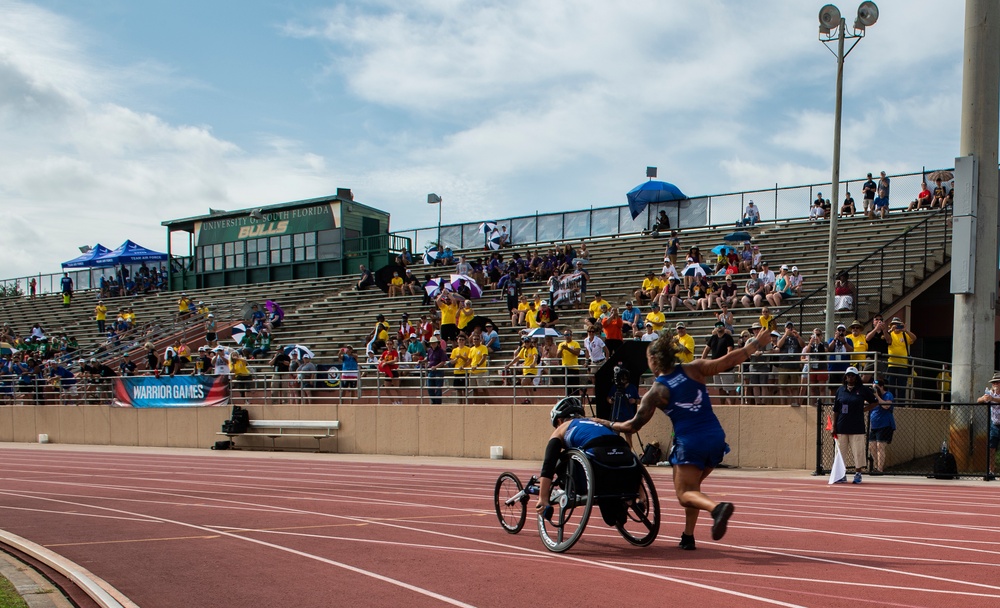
{"x":860,"y":344}
{"x":687,"y":340}
{"x":449,"y":313}
{"x":238,"y":367}
{"x":464,"y":316}
{"x":130,"y":317}
{"x":531,"y":318}
{"x":767,"y":322}
{"x":595,"y":307}
{"x":657,"y":319}
{"x":381,"y":331}
{"x":460,"y":355}
{"x":479,"y":358}
{"x":100,"y":312}
{"x":898,"y":348}
{"x":397,"y":281}
{"x":651,"y":284}
{"x":529,"y":358}
{"x":570,"y":353}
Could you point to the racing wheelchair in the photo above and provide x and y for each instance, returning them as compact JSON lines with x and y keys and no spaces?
{"x":610,"y":477}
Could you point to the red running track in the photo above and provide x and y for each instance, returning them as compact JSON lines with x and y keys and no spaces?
{"x":186,"y":528}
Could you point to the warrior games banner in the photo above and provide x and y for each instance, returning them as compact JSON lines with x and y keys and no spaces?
{"x":176,"y":391}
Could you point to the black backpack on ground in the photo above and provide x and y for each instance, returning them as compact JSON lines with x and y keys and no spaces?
{"x":945,"y":466}
{"x":239,"y":421}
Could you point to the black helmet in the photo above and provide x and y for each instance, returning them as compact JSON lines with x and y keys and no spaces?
{"x":568,"y":407}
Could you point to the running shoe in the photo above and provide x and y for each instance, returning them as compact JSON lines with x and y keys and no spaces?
{"x":857,"y":478}
{"x":687,"y":542}
{"x":720,"y":516}
{"x":842,"y":480}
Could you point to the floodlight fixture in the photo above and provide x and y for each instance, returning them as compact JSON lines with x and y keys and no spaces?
{"x":867,"y":16}
{"x":433,"y":199}
{"x":829,"y":19}
{"x":650,"y":172}
{"x":257,"y":214}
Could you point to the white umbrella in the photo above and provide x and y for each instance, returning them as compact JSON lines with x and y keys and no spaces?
{"x":487,"y":227}
{"x":433,"y":287}
{"x":431,"y":255}
{"x":300,"y":349}
{"x":494,"y":242}
{"x":543,"y":332}
{"x":239,"y":331}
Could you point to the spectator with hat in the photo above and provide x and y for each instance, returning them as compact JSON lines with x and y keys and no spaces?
{"x":630,"y":320}
{"x":306,"y":374}
{"x":211,"y":334}
{"x":782,"y":288}
{"x":415,"y":349}
{"x":868,"y":197}
{"x":655,"y":317}
{"x":766,"y":276}
{"x":437,"y":358}
{"x":491,"y":338}
{"x":758,"y":379}
{"x":569,"y":352}
{"x":852,"y":401}
{"x":753,"y":291}
{"x":815,"y":372}
{"x":899,"y":367}
{"x":856,"y":338}
{"x":718,"y":345}
{"x":683,"y":344}
{"x":479,"y":360}
{"x":727,"y":294}
{"x":547,"y":315}
{"x":100,"y":315}
{"x":527,"y":356}
{"x":595,"y":307}
{"x":789,"y":366}
{"x":751,"y":215}
{"x":795,"y":281}
{"x":597,"y":350}
{"x":882,"y":426}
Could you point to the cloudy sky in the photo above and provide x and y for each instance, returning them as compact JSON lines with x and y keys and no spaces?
{"x":116,"y":115}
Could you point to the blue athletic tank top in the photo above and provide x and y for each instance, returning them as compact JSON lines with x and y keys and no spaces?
{"x":582,"y":430}
{"x":689,"y":408}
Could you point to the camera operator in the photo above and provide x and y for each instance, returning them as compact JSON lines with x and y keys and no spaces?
{"x":623,"y":398}
{"x":814,"y":373}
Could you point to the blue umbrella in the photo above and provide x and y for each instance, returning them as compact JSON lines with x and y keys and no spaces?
{"x":652,"y":192}
{"x":737,"y":236}
{"x":431,"y":255}
{"x":722,"y":249}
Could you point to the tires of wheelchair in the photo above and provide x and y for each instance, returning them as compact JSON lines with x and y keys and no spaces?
{"x":572,"y":499}
{"x":642,"y":514}
{"x":510,"y":502}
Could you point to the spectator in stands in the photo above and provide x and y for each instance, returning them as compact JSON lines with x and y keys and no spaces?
{"x":782,"y":288}
{"x":519,"y":312}
{"x":479,"y":360}
{"x":630,"y":320}
{"x":751,"y":215}
{"x":388,"y":364}
{"x":378,"y":337}
{"x":348,"y":368}
{"x":569,"y":352}
{"x":655,"y":317}
{"x":262,"y":345}
{"x":882,"y":197}
{"x":662,"y":222}
{"x":366,"y":280}
{"x":437,"y":358}
{"x":597,"y":350}
{"x":696,"y":294}
{"x":949,"y":199}
{"x":815,"y":370}
{"x":939,"y":195}
{"x":726,"y":316}
{"x":240,"y":372}
{"x":670,"y":296}
{"x":152,"y":361}
{"x":673,"y":246}
{"x":753,"y":292}
{"x":460,"y":361}
{"x":306,"y":375}
{"x":878,"y":343}
{"x":32,"y":288}
{"x":66,"y":284}
{"x":612,"y":324}
{"x":183,"y":307}
{"x":848,"y":209}
{"x":789,"y":366}
{"x":395,"y":285}
{"x":449,"y":304}
{"x":843,"y":293}
{"x":547,"y":315}
{"x":651,"y":287}
{"x":595,"y":306}
{"x":692,"y":269}
{"x":683,"y":344}
{"x":100,"y":315}
{"x":719,"y":344}
{"x":757,"y":382}
{"x":795,"y":281}
{"x":126,"y":367}
{"x":727,"y":294}
{"x":839,"y":347}
{"x":924,"y":199}
{"x":411,"y":284}
{"x":817,"y":210}
{"x":766,"y":276}
{"x":900,"y":368}
{"x":527,"y":356}
{"x":504,"y":237}
{"x":858,"y":343}
{"x":868,"y":191}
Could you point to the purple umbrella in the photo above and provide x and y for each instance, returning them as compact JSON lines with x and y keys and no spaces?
{"x":273,"y":308}
{"x":474,"y":288}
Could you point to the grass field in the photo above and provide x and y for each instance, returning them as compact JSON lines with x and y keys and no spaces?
{"x":9,"y":597}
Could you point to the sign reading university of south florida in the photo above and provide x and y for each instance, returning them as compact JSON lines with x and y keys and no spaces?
{"x":167,"y":391}
{"x":276,"y":223}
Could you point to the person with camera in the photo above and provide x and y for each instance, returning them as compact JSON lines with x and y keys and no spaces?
{"x":881,"y":426}
{"x":720,"y":344}
{"x":814,"y":370}
{"x":992,"y":396}
{"x":899,"y":367}
{"x":623,"y":398}
{"x":789,"y":366}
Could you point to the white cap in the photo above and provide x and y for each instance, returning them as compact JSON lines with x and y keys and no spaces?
{"x":851,"y":370}
{"x":784,"y":267}
{"x":795,"y":268}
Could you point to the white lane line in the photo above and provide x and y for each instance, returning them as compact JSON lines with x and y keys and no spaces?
{"x":74,"y":513}
{"x":911,"y":558}
{"x":318,"y":558}
{"x":837,"y":582}
{"x":454,"y":536}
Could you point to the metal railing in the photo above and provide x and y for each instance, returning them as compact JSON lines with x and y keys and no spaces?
{"x":781,"y":202}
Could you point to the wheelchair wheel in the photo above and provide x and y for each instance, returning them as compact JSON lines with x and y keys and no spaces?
{"x":572,"y":499}
{"x":511,"y":502}
{"x":642,"y":521}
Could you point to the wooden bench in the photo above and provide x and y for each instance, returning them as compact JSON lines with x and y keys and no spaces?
{"x":321,"y":429}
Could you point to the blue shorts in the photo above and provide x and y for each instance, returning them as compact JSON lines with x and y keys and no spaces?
{"x":994,"y":436}
{"x":702,"y":452}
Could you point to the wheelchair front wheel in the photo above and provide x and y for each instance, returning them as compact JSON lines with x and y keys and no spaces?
{"x":510,"y":502}
{"x":572,"y":499}
{"x":642,"y":521}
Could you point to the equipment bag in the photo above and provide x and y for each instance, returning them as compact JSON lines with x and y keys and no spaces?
{"x":651,"y":454}
{"x":945,"y":466}
{"x":239,"y":421}
{"x":222,"y":445}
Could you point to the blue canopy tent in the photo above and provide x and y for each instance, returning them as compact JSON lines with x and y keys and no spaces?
{"x":130,"y":253}
{"x":87,"y":260}
{"x":652,"y":192}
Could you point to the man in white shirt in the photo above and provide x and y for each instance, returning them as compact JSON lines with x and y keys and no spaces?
{"x":766,"y":276}
{"x":795,"y":281}
{"x":650,"y":335}
{"x":752,"y":215}
{"x":597,"y":351}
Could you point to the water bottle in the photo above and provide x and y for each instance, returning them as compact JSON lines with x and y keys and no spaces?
{"x":944,"y":447}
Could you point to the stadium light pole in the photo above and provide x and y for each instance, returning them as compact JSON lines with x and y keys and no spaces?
{"x":830,"y":20}
{"x":433,"y":199}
